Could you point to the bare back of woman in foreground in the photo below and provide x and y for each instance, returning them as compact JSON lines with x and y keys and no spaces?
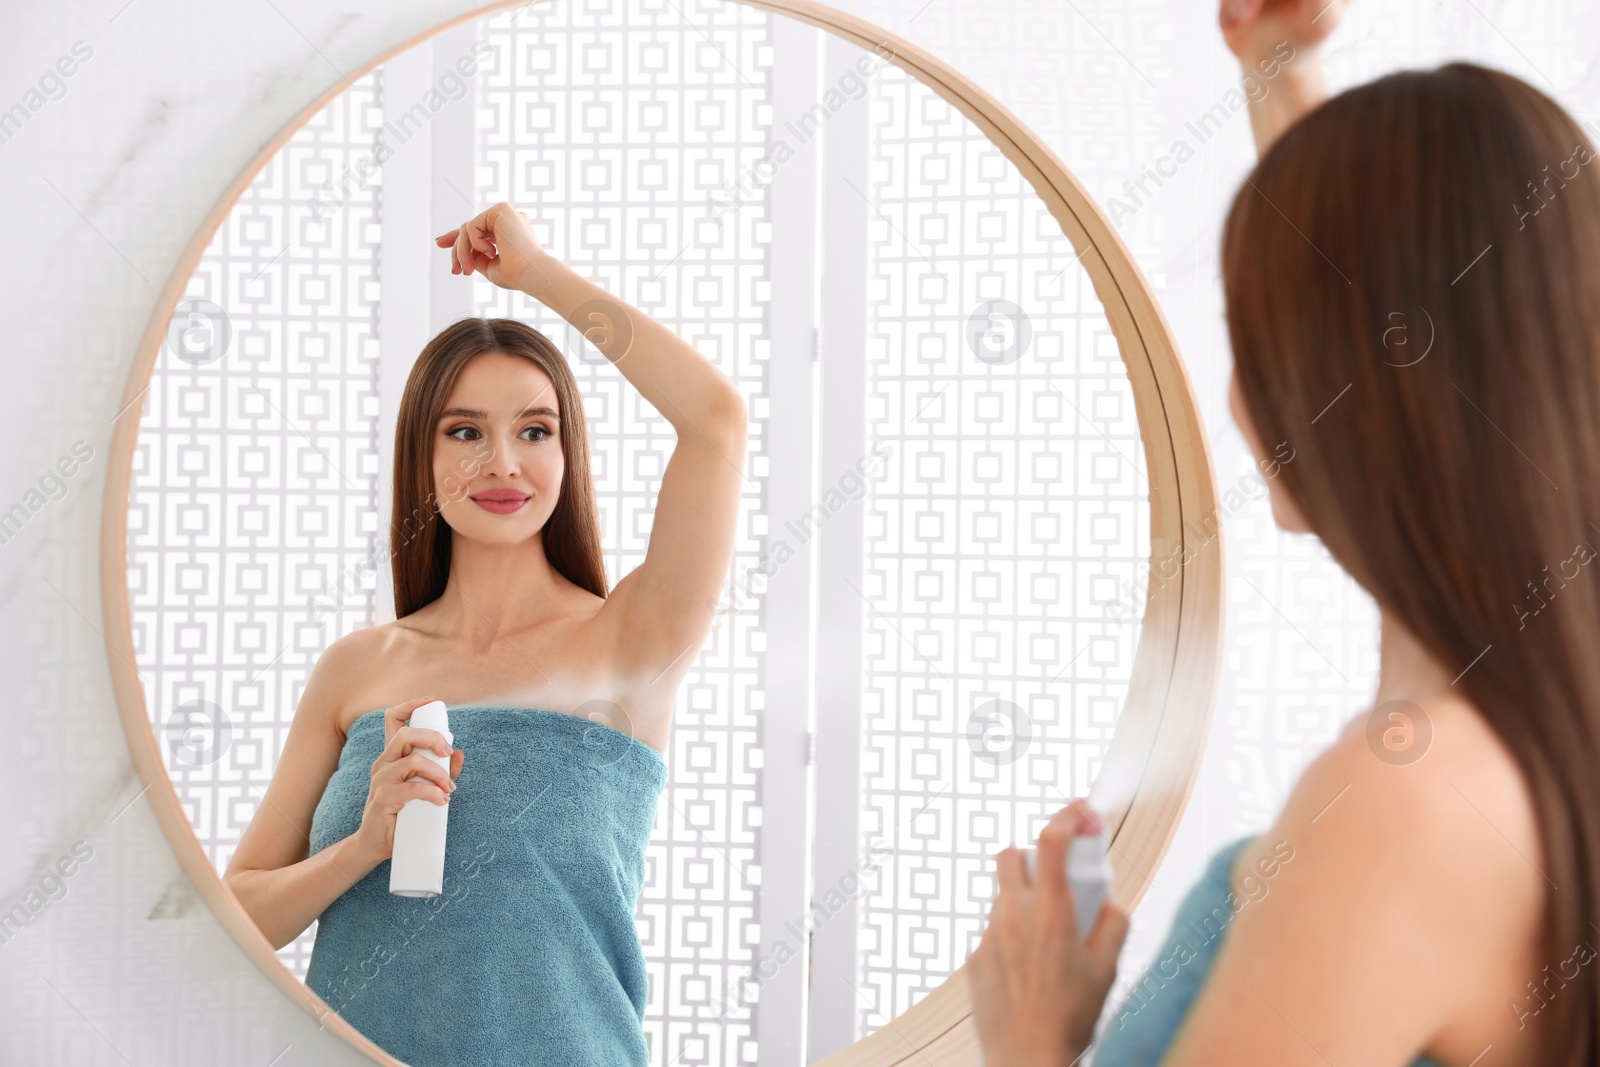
{"x":508,"y":628}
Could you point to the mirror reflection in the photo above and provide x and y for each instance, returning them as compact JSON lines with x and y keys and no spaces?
{"x":765,"y":506}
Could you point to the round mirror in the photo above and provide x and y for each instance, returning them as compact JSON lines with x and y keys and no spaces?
{"x":973,"y":574}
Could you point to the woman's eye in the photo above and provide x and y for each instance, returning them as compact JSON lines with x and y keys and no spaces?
{"x":460,"y":433}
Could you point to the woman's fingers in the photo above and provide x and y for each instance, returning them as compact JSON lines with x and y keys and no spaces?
{"x":498,"y":243}
{"x":467,"y":240}
{"x":409,"y":739}
{"x":480,"y":232}
{"x":1011,"y":870}
{"x":425,"y":791}
{"x":1054,"y":840}
{"x":449,"y":240}
{"x":415,"y":765}
{"x":463,"y":247}
{"x":407,"y":791}
{"x":476,"y":245}
{"x":395,"y":718}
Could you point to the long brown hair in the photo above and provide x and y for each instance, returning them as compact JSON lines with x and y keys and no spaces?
{"x":1414,"y":267}
{"x":419,"y":544}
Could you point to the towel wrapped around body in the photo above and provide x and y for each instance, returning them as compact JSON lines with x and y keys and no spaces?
{"x":530,"y":955}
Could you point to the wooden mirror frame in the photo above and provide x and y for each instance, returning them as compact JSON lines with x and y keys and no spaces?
{"x":1160,"y":735}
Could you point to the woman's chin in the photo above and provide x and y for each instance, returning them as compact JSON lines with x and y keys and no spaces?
{"x":489,"y":529}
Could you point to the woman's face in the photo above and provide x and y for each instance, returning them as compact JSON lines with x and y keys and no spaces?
{"x":1284,"y":511}
{"x":497,"y":461}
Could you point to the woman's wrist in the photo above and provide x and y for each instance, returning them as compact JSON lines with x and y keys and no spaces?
{"x":351,"y":858}
{"x":540,"y":275}
{"x":1302,"y":77}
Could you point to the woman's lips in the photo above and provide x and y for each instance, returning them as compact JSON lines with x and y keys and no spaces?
{"x":500,"y":502}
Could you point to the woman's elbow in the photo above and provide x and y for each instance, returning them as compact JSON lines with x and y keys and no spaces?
{"x":731,"y":418}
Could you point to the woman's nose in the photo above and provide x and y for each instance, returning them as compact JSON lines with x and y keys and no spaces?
{"x":502,"y":459}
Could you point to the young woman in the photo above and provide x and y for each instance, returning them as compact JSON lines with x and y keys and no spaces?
{"x":560,"y":693}
{"x":1411,"y":275}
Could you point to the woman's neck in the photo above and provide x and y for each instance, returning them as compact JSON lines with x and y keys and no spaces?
{"x":496,"y":590}
{"x":1406,"y":670}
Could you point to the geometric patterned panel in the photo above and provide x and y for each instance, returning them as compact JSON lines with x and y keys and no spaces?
{"x":1005,"y":535}
{"x":254,"y":497}
{"x":616,"y":126}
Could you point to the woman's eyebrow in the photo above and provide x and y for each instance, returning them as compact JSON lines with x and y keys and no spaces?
{"x":474,"y":413}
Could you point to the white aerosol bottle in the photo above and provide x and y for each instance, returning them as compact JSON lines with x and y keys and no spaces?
{"x":1088,"y":873}
{"x":416,"y":869}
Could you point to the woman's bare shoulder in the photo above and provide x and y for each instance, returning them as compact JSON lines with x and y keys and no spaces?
{"x":351,"y":665}
{"x":1432,"y":772}
{"x":1439,"y":755}
{"x":360,"y":652}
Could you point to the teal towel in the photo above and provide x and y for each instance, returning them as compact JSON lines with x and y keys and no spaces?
{"x":530,"y":955}
{"x":1143,"y":1027}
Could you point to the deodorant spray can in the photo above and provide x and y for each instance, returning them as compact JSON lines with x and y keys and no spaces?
{"x":417,"y":867}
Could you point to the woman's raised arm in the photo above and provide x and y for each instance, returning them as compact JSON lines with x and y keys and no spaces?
{"x":1278,"y":42}
{"x":668,"y":602}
